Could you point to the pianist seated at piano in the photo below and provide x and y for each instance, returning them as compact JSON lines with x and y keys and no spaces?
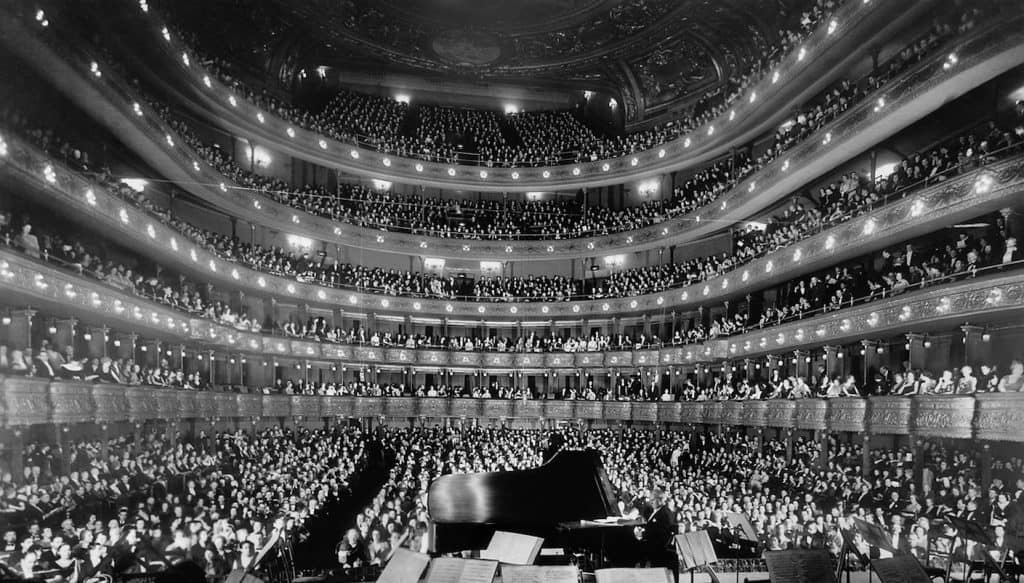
{"x":657,"y":534}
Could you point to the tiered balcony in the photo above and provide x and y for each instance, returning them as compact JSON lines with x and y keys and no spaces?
{"x":983,"y":55}
{"x":997,"y":416}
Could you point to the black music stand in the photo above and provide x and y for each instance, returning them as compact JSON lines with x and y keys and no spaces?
{"x":901,"y":569}
{"x":968,"y":530}
{"x":695,"y":553}
{"x":800,"y":566}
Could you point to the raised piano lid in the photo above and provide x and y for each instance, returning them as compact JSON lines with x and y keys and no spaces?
{"x":572,"y":486}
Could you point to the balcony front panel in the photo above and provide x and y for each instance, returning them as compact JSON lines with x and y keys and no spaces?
{"x":32,"y":401}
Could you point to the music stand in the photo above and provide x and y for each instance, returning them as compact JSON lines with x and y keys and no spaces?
{"x":968,"y":530}
{"x":696,"y":552}
{"x":800,"y":566}
{"x":901,"y":569}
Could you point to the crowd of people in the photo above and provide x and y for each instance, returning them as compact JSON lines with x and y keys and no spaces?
{"x":439,"y":133}
{"x":93,"y":509}
{"x":792,"y":498}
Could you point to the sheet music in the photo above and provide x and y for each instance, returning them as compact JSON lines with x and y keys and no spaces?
{"x":539,"y":574}
{"x":405,"y":566}
{"x":514,"y":548}
{"x":633,"y":576}
{"x":450,"y":570}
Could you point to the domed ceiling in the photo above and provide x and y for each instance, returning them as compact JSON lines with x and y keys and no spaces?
{"x":653,"y":54}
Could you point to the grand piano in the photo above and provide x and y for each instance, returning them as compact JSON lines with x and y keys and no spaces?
{"x":557,"y":501}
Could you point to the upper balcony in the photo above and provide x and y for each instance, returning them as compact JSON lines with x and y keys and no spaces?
{"x":979,"y":57}
{"x":983,"y":190}
{"x":811,"y":67}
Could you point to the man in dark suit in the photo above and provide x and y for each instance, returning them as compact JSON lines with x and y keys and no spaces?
{"x":657,"y":536}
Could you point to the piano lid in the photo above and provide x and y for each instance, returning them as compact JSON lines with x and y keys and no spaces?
{"x":572,"y":486}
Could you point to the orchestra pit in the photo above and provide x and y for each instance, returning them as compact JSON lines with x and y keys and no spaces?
{"x":545,"y":291}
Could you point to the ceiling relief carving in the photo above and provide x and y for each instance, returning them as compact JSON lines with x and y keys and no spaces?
{"x":674,"y":48}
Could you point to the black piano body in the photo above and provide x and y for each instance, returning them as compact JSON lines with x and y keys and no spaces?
{"x":466,"y":509}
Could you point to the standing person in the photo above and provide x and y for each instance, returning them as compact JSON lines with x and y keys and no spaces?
{"x":657,"y":536}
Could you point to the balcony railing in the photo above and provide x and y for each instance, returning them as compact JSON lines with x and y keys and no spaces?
{"x":979,"y":57}
{"x":24,"y":279}
{"x":992,"y":416}
{"x":962,"y":197}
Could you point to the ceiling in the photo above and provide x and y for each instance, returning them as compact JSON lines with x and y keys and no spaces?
{"x":654,"y":55}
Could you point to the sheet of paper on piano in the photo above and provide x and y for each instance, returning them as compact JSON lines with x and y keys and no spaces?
{"x":451,"y":570}
{"x":660,"y":575}
{"x":404,"y":566}
{"x":513,"y":548}
{"x":539,"y":574}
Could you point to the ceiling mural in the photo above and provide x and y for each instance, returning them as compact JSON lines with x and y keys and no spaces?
{"x":674,"y":49}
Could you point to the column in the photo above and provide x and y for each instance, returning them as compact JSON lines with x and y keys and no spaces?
{"x":749,"y":369}
{"x":65,"y":335}
{"x":19,"y":331}
{"x":271,"y":310}
{"x":97,"y":341}
{"x":916,"y":353}
{"x":976,"y":350}
{"x":124,"y":345}
{"x":800,"y":358}
{"x":789,"y":446}
{"x":986,"y":466}
{"x":772,"y":364}
{"x":865,"y":456}
{"x":917,"y":450}
{"x":149,"y":353}
{"x":647,"y":325}
{"x":338,"y":317}
{"x":833,"y":365}
{"x":870,"y":350}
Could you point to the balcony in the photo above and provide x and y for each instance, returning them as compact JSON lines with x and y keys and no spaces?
{"x":930,"y":208}
{"x":26,"y":281}
{"x":983,"y":55}
{"x":994,"y":416}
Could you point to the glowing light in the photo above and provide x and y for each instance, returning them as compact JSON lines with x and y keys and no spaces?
{"x":917,"y":208}
{"x":983,"y":184}
{"x":402,"y":98}
{"x":354,"y":154}
{"x":166,"y":34}
{"x":49,"y":174}
{"x":830,"y":242}
{"x":753,"y":96}
{"x":800,"y":55}
{"x":417,"y":305}
{"x":419,"y":167}
{"x":711,"y":130}
{"x":94,"y":68}
{"x":322,"y":144}
{"x":386,"y":162}
{"x":185,"y":59}
{"x":775,"y":77}
{"x":576,"y":171}
{"x":605,"y":167}
{"x":514,"y":310}
{"x":481,"y":309}
{"x":873,"y":319}
{"x":785,"y":165}
{"x":206,"y":81}
{"x":686,"y":143}
{"x":732,"y":115}
{"x":381,"y":185}
{"x":746,"y":275}
{"x":827,"y":140}
{"x":546,"y":174}
{"x":515,"y":176}
{"x":769,"y":266}
{"x":483,"y":174}
{"x":137,"y":108}
{"x":169,"y":140}
{"x":869,"y":227}
{"x":798,"y":255}
{"x":832,"y":25}
{"x":299,"y":241}
{"x":90,"y":197}
{"x":291,"y":288}
{"x":235,"y":274}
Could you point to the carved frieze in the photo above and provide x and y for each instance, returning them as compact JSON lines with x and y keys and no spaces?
{"x":368,"y":407}
{"x":433,"y":407}
{"x":111,"y":403}
{"x":692,"y":412}
{"x":847,"y":415}
{"x":248,"y":405}
{"x":590,"y":410}
{"x":1000,"y":416}
{"x":307,"y":407}
{"x":943,"y":416}
{"x":529,"y":360}
{"x":811,"y":413}
{"x":529,"y":409}
{"x":142,"y":403}
{"x":465,"y":407}
{"x":368,"y":354}
{"x":754,"y":414}
{"x":167,"y":403}
{"x":277,"y":406}
{"x":400,"y":355}
{"x":732,"y":412}
{"x":646,"y":411}
{"x":187,"y":407}
{"x":70,"y":402}
{"x":618,"y":410}
{"x":498,"y":408}
{"x":781,"y":414}
{"x":205,"y":407}
{"x":618,"y":359}
{"x":559,"y":360}
{"x":670,"y":412}
{"x":499,"y":359}
{"x":556,"y":409}
{"x":432,"y":357}
{"x":889,"y":415}
{"x":336,"y":407}
{"x":400,"y":407}
{"x":714,"y":412}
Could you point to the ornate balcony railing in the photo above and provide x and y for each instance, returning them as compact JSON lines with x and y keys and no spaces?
{"x":962,"y":197}
{"x":29,"y":281}
{"x":980,"y":56}
{"x":993,"y":416}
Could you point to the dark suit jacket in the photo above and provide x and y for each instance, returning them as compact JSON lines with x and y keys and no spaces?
{"x":659,"y":531}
